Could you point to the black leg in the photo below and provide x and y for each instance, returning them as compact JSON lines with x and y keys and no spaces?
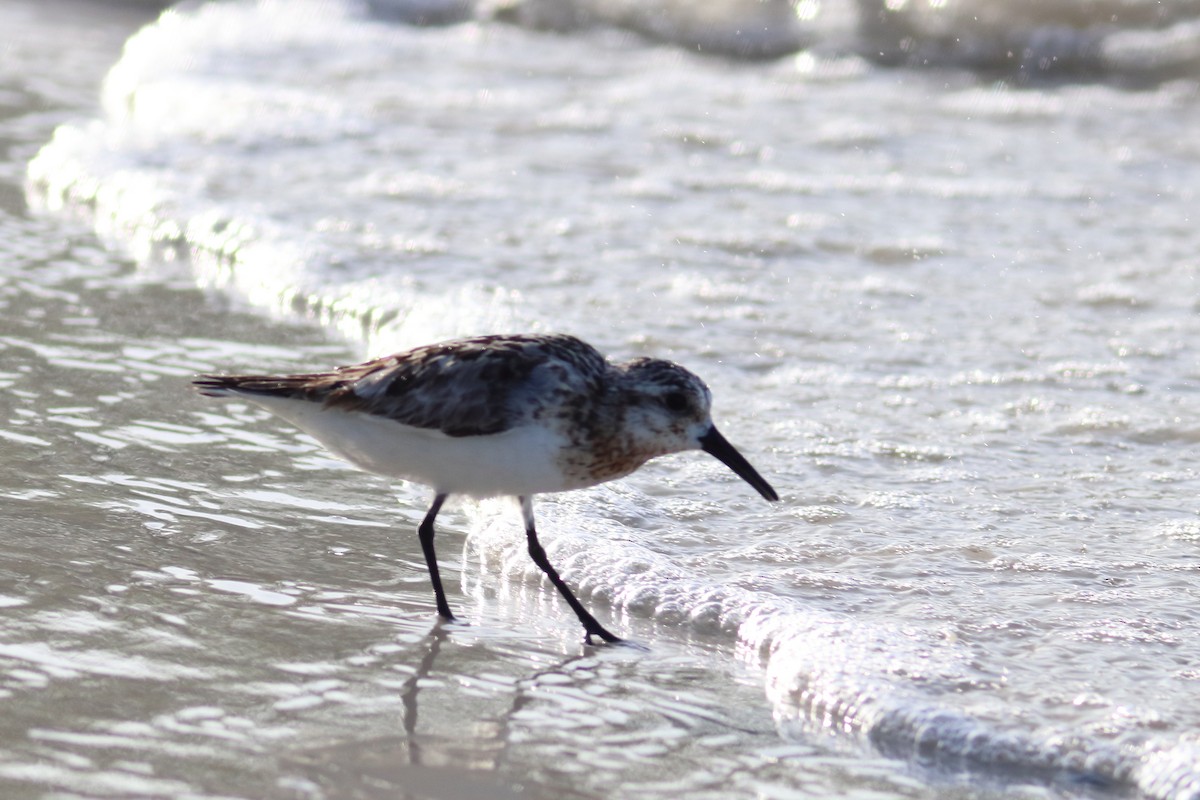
{"x":425,"y":532}
{"x":590,"y":625}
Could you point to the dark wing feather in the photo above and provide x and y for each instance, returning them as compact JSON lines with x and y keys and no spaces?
{"x":466,"y":387}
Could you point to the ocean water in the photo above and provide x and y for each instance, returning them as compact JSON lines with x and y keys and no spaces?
{"x":937,"y":262}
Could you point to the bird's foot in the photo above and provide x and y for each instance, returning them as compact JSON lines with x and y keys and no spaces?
{"x":603,"y":634}
{"x":446,"y":618}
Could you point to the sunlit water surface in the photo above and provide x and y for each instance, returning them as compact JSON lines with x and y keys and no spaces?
{"x":953,"y":321}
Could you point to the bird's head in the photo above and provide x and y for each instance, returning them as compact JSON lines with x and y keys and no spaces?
{"x":669,"y":410}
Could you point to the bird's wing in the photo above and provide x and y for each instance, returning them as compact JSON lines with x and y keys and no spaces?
{"x":468,"y":387}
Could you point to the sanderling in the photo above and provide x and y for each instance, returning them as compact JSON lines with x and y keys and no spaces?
{"x":498,"y":415}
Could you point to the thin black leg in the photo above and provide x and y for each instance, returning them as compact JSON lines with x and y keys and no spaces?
{"x":425,"y":532}
{"x":590,"y":626}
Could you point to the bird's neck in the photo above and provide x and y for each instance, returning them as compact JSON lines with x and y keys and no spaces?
{"x":604,"y":445}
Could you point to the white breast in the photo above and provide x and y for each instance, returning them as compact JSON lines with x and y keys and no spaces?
{"x":521,"y":461}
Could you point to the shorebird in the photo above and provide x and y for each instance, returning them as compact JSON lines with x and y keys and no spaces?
{"x":498,"y":415}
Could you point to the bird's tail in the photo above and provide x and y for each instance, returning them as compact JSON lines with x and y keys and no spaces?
{"x":219,"y":385}
{"x":302,"y":387}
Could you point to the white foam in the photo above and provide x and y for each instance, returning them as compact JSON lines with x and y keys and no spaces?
{"x":900,"y":687}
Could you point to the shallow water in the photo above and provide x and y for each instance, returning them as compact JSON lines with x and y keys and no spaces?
{"x":952,"y":320}
{"x":178,"y":622}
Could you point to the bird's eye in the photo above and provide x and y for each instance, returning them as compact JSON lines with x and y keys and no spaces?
{"x":675,"y":401}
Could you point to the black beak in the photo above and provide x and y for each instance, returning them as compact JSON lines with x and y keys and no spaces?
{"x":719,"y":448}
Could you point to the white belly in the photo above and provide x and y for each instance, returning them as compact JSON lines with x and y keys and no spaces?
{"x":521,"y":461}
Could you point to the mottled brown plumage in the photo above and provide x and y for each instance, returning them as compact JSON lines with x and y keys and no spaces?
{"x":511,"y":379}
